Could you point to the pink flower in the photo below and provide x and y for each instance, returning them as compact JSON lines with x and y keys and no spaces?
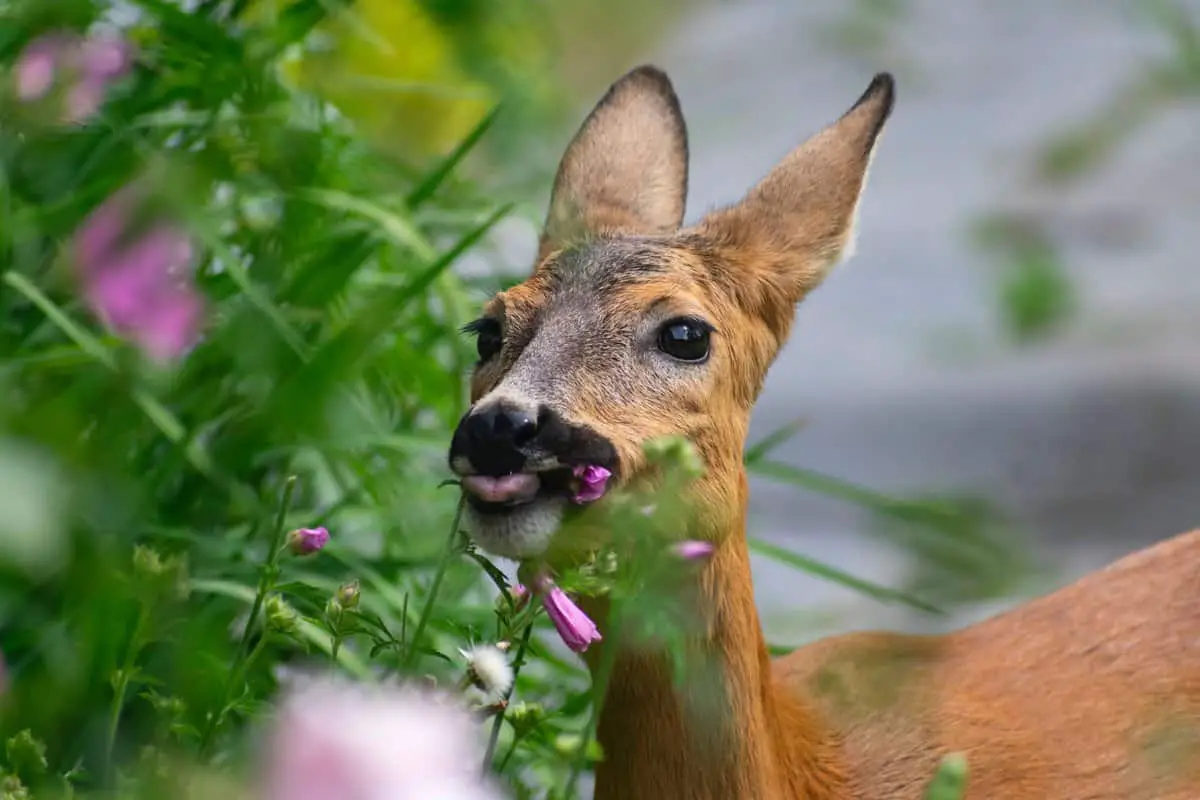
{"x":592,"y":482}
{"x":36,"y":67}
{"x":332,"y":739}
{"x":86,"y":67}
{"x":305,"y":541}
{"x":574,"y":627}
{"x":134,"y":277}
{"x":520,"y":596}
{"x":693,"y":550}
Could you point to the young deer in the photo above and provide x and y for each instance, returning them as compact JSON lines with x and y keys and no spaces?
{"x":631,"y":328}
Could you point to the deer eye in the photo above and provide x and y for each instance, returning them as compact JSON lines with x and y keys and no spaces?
{"x":685,"y":339}
{"x":489,"y":338}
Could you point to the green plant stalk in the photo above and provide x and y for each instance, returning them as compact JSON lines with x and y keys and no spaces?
{"x":335,"y":638}
{"x":518,"y":662}
{"x":508,"y":754}
{"x":411,"y":652}
{"x":266,"y":582}
{"x":599,"y":692}
{"x":122,"y":687}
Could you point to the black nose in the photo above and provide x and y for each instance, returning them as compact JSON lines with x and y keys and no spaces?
{"x":491,"y":438}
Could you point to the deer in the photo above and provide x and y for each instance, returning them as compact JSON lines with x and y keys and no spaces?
{"x":633,"y":326}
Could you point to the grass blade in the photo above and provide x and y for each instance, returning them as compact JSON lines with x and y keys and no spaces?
{"x":426,"y":188}
{"x":812,"y":567}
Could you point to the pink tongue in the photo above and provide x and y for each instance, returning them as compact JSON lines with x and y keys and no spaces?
{"x":521,"y":486}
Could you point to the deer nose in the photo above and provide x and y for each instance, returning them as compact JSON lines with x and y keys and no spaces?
{"x":494,"y":436}
{"x":501,"y":425}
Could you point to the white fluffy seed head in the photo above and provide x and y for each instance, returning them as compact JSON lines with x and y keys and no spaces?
{"x":488,"y":669}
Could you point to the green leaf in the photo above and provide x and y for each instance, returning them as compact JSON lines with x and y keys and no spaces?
{"x":835,"y":575}
{"x":426,"y":188}
{"x":763,"y":447}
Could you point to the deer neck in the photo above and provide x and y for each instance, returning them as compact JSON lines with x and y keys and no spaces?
{"x":724,"y":731}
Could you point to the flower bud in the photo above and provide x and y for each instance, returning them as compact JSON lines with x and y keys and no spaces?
{"x":280,"y":617}
{"x":333,"y":609}
{"x":347,"y":595}
{"x":524,"y":717}
{"x":518,"y":595}
{"x":306,"y":541}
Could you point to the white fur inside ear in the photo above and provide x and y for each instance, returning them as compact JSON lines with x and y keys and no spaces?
{"x":850,"y":243}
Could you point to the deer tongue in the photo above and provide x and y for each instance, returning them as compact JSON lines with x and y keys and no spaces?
{"x":516,"y":488}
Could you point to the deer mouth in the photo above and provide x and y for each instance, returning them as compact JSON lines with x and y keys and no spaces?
{"x":518,"y":515}
{"x":488,"y":494}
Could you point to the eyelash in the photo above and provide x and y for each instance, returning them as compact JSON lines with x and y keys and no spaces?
{"x":473,"y":327}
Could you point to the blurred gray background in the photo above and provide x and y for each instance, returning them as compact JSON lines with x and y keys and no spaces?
{"x":905,"y":366}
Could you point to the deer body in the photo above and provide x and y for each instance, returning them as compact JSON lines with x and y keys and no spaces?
{"x":632,"y":327}
{"x":1091,"y":692}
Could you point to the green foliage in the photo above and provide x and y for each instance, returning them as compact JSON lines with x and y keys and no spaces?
{"x":1036,"y":298}
{"x":950,"y":782}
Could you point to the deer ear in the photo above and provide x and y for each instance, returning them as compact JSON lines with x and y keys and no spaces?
{"x":800,"y":219}
{"x":626,"y":169}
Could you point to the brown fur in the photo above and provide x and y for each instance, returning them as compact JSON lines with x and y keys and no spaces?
{"x":1087,"y":693}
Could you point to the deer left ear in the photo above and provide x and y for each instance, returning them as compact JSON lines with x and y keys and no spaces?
{"x":625,"y":172}
{"x":800,"y":219}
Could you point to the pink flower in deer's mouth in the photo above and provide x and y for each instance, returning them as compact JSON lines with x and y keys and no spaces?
{"x":593,"y":481}
{"x":574,"y":626}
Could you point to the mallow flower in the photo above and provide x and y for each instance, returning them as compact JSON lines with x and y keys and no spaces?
{"x":136,"y":276}
{"x":592,"y":482}
{"x":83,"y":67}
{"x":574,"y":627}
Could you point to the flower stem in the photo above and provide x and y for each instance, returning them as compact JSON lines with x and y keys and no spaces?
{"x":608,"y":659}
{"x":266,"y":581}
{"x":122,"y":686}
{"x":518,"y":662}
{"x":512,"y":748}
{"x":411,"y":652}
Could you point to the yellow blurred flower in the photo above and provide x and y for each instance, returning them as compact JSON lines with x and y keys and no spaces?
{"x":388,"y":67}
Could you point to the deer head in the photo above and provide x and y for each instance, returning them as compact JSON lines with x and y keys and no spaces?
{"x":631,"y":327}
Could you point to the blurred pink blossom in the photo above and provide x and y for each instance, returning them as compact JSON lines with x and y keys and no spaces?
{"x":693,"y":550}
{"x":332,"y":740}
{"x":136,"y":277}
{"x":84,"y":67}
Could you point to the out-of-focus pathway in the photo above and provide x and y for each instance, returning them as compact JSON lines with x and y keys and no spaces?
{"x":1091,"y":441}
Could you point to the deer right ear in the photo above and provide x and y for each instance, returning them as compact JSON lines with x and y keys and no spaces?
{"x":799,"y":221}
{"x":625,"y":172}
